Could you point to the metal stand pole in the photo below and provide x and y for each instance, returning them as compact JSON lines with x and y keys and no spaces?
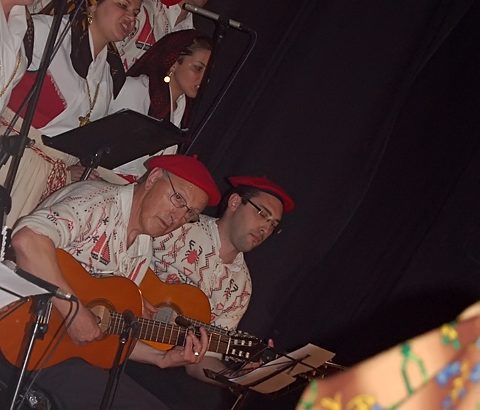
{"x":41,"y":308}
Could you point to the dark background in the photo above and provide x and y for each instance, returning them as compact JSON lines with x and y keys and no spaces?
{"x":367,"y":114}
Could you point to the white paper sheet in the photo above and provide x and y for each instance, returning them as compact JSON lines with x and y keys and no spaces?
{"x":310,"y":356}
{"x":10,"y":281}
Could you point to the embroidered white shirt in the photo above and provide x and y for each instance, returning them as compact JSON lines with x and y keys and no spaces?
{"x":90,"y":220}
{"x":190,"y":255}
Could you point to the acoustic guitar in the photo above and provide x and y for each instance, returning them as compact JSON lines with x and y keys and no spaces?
{"x":106,"y":298}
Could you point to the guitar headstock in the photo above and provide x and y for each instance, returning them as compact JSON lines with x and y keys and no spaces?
{"x":244,"y":347}
{"x":236,"y":345}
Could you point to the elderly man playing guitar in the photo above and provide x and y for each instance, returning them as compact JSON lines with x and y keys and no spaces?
{"x":109,"y":230}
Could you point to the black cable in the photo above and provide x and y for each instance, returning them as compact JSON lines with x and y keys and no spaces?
{"x":219,"y":97}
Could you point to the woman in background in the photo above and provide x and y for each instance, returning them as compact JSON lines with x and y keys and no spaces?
{"x":82,"y":79}
{"x":164,"y":82}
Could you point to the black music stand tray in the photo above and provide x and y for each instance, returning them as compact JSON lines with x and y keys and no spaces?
{"x":241,"y":391}
{"x":116,"y":139}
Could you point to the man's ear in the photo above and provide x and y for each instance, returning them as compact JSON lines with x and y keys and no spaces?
{"x":154,"y":176}
{"x":234,"y":201}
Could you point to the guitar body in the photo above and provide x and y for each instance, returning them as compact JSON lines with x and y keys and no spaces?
{"x":108,"y":298}
{"x":115,"y":293}
{"x":183,"y":299}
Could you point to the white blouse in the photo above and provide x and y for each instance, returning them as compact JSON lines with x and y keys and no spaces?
{"x":72,"y":89}
{"x":12,"y":55}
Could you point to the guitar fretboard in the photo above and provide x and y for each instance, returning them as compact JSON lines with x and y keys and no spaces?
{"x":169,"y":333}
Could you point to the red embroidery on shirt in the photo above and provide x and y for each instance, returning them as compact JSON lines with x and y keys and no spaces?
{"x":192,"y":255}
{"x":134,"y":274}
{"x":101,"y":250}
{"x":172,"y":278}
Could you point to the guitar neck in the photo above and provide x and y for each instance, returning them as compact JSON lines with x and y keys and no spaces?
{"x":169,"y":333}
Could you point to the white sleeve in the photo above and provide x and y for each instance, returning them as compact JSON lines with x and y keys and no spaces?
{"x":66,"y":215}
{"x":12,"y":55}
{"x":133,"y":95}
{"x":61,"y":222}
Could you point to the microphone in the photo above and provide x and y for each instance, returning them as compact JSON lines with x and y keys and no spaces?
{"x":50,"y":287}
{"x":212,"y":16}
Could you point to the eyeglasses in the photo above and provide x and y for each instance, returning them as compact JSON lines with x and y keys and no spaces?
{"x":275,"y":225}
{"x":178,"y":201}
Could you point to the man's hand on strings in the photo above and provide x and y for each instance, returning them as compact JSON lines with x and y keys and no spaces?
{"x":191,"y":353}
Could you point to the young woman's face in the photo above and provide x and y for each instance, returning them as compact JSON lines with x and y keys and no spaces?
{"x":187,"y":74}
{"x":114,"y":20}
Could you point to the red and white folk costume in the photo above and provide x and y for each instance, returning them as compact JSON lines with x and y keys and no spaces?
{"x":145,"y":91}
{"x":190,"y":255}
{"x":77,"y":84}
{"x":90,"y":221}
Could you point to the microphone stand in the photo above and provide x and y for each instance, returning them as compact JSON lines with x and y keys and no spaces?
{"x":221,"y":25}
{"x":130,"y":331}
{"x":41,"y":307}
{"x":14,"y":146}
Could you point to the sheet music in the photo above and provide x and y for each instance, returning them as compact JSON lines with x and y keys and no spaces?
{"x":10,"y":281}
{"x":309,"y":354}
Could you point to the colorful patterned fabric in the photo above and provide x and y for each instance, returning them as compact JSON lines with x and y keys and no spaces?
{"x":89,"y":220}
{"x":437,"y":370}
{"x":190,"y":255}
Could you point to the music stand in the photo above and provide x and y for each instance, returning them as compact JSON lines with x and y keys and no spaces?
{"x":276,"y":374}
{"x":116,"y":139}
{"x":242,"y":390}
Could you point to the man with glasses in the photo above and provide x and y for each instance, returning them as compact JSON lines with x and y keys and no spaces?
{"x":109,"y":229}
{"x":209,"y":254}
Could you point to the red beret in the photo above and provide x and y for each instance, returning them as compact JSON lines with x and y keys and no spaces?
{"x":264,"y":184}
{"x":190,"y":169}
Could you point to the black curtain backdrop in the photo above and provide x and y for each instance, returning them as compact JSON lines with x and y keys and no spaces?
{"x":367,"y":113}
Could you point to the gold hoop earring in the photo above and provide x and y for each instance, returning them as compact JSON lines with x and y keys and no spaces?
{"x":168,"y":77}
{"x":89,"y":18}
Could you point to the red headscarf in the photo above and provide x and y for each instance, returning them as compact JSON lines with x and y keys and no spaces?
{"x":156,"y":63}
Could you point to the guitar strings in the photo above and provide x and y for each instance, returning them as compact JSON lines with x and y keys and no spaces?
{"x":152,"y":330}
